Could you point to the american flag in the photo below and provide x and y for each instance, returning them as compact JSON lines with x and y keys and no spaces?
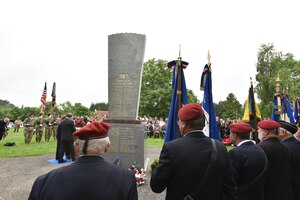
{"x":43,"y":99}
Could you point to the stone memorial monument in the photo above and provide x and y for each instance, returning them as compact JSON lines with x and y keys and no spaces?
{"x":125,"y":67}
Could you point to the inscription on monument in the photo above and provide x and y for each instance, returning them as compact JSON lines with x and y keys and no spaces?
{"x":122,"y":92}
{"x":125,"y":63}
{"x":122,"y":140}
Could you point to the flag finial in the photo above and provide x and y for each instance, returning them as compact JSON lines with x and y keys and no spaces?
{"x":179,"y":57}
{"x":208,"y":57}
{"x":278,"y":84}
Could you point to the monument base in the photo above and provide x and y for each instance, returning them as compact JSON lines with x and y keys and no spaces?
{"x":127,"y":143}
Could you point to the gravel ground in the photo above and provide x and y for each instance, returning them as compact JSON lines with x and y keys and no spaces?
{"x":18,"y":174}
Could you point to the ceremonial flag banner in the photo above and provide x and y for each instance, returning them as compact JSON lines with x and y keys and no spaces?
{"x":287,"y":111}
{"x":172,"y":127}
{"x":282,"y":109}
{"x":251,"y":112}
{"x":276,"y":110}
{"x":207,"y":104}
{"x":53,"y":94}
{"x":43,"y":99}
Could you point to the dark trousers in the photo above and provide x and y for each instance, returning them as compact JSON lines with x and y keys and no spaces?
{"x":58,"y":143}
{"x":66,"y":146}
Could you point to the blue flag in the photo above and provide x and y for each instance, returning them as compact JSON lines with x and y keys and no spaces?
{"x":287,"y":112}
{"x":282,"y":109}
{"x":276,"y":110}
{"x":207,"y":104}
{"x":172,"y":127}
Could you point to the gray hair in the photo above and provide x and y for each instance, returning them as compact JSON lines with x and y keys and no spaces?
{"x":96,"y":146}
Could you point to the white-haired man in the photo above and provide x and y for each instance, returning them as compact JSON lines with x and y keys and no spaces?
{"x":90,"y":177}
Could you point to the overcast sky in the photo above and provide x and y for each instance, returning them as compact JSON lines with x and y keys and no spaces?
{"x":67,"y":42}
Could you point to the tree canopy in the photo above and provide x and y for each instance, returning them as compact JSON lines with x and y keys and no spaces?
{"x":230,"y":108}
{"x":271,"y":65}
{"x":156,"y":89}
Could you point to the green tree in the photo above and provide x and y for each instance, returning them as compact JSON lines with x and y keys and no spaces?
{"x":231,"y":107}
{"x":80,"y":110}
{"x":6,"y":103}
{"x":271,"y":65}
{"x":156,"y":89}
{"x":219,"y":109}
{"x":99,"y":106}
{"x":66,"y":107}
{"x":192,"y":97}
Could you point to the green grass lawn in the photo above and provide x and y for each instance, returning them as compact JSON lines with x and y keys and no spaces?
{"x":21,"y":149}
{"x":159,"y":143}
{"x":151,"y":142}
{"x":34,"y":149}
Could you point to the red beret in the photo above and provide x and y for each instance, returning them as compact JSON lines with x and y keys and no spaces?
{"x":268,"y":124}
{"x":240,"y":127}
{"x":190,"y":111}
{"x":94,"y":130}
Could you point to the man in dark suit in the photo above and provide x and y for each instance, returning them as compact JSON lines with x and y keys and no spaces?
{"x":279,"y":179}
{"x":286,"y":134}
{"x":249,"y":163}
{"x":3,"y":126}
{"x":90,"y":177}
{"x":65,"y":131}
{"x":183,"y":163}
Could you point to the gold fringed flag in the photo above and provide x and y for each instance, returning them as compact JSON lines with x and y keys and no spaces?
{"x":43,"y":99}
{"x":251,"y":112}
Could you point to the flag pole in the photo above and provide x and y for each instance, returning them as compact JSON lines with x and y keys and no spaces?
{"x":253,"y":110}
{"x":179,"y":87}
{"x":209,"y":106}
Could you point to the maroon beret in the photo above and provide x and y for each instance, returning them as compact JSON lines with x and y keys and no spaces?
{"x":94,"y":130}
{"x":241,"y":127}
{"x":268,"y":124}
{"x":190,"y":111}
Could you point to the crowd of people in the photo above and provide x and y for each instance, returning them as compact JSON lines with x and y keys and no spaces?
{"x":44,"y":126}
{"x":192,"y":167}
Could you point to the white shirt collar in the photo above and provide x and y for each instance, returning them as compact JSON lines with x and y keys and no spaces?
{"x":244,"y":141}
{"x":192,"y":132}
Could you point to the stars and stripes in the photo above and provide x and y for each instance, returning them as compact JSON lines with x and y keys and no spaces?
{"x":43,"y":99}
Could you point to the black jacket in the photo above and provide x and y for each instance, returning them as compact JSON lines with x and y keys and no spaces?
{"x":183,"y":163}
{"x":248,"y":162}
{"x":294,"y":146}
{"x":279,"y":178}
{"x":90,"y":177}
{"x":65,"y":129}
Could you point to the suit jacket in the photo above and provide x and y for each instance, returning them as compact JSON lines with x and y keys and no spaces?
{"x":3,"y":127}
{"x":90,"y":177}
{"x":65,"y":129}
{"x":183,"y":163}
{"x":279,"y":179}
{"x":294,"y":145}
{"x":248,"y":162}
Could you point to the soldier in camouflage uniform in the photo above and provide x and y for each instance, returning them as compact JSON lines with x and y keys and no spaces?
{"x":49,"y":122}
{"x":39,"y":128}
{"x":29,"y":128}
{"x":55,"y":125}
{"x":18,"y":123}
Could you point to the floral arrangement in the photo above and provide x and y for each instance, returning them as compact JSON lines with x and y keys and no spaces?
{"x":139,"y":172}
